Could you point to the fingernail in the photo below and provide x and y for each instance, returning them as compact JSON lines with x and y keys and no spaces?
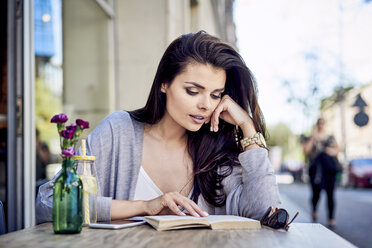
{"x":196,"y":214}
{"x":182,"y":213}
{"x":205,"y":213}
{"x":211,"y":128}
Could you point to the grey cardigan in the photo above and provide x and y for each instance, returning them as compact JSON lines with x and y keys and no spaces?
{"x":117,"y":145}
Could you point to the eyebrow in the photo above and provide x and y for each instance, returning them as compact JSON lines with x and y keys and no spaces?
{"x":202,"y":87}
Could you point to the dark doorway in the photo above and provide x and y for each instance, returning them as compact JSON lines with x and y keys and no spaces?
{"x":3,"y":102}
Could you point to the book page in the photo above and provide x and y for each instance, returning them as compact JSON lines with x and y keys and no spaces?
{"x":211,"y":218}
{"x":232,"y":222}
{"x":166,"y":222}
{"x":226,"y":218}
{"x":171,"y":217}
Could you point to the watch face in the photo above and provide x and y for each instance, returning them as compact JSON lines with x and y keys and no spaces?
{"x":262,"y":139}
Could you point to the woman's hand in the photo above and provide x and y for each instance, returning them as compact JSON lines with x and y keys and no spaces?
{"x":231,"y":112}
{"x":168,"y":204}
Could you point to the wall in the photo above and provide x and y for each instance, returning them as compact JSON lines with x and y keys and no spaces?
{"x":110,"y":63}
{"x":358,"y":140}
{"x":88,"y":65}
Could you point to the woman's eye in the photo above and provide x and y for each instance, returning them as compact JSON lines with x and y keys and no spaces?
{"x":216,"y":96}
{"x":190,"y":92}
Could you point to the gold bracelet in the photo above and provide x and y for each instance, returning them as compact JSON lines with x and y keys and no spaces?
{"x":249,"y":141}
{"x":257,"y":138}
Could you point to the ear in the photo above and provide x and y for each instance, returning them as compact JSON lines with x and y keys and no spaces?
{"x":164,"y":87}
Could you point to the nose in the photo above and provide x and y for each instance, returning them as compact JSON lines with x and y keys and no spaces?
{"x":204,"y":103}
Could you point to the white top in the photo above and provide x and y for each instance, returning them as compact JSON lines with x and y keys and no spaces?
{"x":146,"y":189}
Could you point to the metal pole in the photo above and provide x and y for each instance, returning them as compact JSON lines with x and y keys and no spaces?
{"x":341,"y":90}
{"x":29,"y":166}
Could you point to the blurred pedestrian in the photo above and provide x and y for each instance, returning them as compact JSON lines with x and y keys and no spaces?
{"x":321,"y":150}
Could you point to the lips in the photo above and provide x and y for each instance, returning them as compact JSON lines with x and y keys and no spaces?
{"x":198,"y":119}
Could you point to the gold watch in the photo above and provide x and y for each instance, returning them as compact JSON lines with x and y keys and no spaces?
{"x":258,"y":139}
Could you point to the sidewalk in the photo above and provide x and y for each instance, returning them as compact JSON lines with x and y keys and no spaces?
{"x":292,"y":208}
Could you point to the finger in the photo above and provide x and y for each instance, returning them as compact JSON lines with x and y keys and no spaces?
{"x":174,"y":208}
{"x":189,"y":209}
{"x":198,"y":209}
{"x":216,"y":115}
{"x":183,"y":202}
{"x":211,"y":122}
{"x":190,"y":206}
{"x":223,"y":106}
{"x":214,"y":118}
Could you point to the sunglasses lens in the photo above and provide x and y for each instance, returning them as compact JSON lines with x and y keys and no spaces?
{"x":278,"y":219}
{"x":282,"y":218}
{"x":265,"y":216}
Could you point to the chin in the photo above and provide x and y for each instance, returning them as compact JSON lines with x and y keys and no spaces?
{"x":193,"y":128}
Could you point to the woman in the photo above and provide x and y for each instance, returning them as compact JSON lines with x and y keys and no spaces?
{"x":181,"y":152}
{"x":322,"y":149}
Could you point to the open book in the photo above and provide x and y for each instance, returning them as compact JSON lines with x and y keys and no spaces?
{"x":170,"y":222}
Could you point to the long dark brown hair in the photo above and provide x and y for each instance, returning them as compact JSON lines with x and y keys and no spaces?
{"x":213,"y":154}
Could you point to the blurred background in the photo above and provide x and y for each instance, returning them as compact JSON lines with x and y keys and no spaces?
{"x":89,"y":58}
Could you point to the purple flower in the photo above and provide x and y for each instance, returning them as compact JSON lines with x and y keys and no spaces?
{"x":82,"y":124}
{"x":72,"y":127}
{"x":68,"y":152}
{"x":60,"y":118}
{"x":68,"y":134}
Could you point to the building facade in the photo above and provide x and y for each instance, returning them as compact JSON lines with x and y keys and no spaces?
{"x":340,"y":116}
{"x":112,"y":49}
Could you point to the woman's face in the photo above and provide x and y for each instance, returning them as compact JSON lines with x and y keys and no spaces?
{"x":320,"y":124}
{"x":194,"y":94}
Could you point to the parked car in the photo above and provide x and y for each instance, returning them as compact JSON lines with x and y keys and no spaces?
{"x":360,"y":172}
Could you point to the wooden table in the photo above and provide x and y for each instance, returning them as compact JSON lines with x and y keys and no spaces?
{"x":299,"y":235}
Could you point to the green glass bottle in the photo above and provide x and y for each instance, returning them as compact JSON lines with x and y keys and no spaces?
{"x":67,"y":200}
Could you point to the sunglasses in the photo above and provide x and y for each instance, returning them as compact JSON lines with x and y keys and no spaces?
{"x":277,"y":219}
